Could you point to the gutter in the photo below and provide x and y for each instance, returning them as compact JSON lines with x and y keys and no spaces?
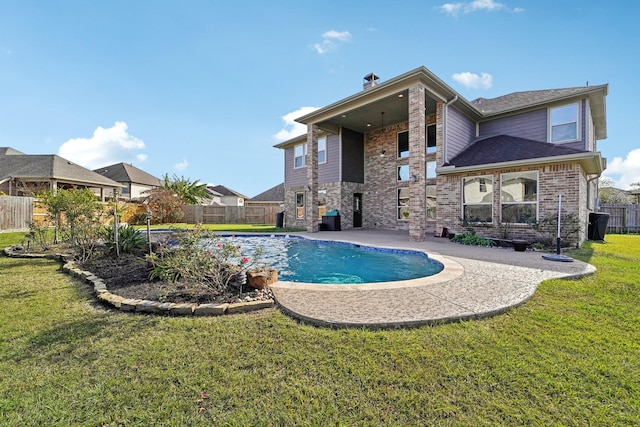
{"x":445,"y":108}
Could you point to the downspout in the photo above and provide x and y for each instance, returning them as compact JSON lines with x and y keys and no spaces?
{"x":444,"y":129}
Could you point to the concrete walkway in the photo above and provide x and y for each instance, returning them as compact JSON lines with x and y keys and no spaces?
{"x":476,"y":282}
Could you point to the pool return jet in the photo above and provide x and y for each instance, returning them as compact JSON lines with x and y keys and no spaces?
{"x":558,"y":256}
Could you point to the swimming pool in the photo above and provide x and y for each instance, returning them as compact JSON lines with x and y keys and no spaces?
{"x":313,"y":261}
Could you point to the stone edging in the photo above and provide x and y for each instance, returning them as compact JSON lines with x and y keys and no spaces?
{"x":144,"y":306}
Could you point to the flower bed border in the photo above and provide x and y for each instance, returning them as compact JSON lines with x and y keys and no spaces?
{"x":140,"y":305}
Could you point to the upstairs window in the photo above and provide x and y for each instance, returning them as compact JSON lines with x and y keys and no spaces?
{"x":431,"y":139}
{"x":564,"y":123}
{"x":403,"y":144}
{"x":299,"y":155}
{"x":322,"y":150}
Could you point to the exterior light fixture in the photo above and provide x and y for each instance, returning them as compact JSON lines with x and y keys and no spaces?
{"x":413,"y":178}
{"x":382,"y":152}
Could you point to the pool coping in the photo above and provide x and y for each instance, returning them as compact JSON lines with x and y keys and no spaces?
{"x":476,"y":283}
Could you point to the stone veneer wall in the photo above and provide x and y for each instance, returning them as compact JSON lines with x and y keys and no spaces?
{"x":567,"y":179}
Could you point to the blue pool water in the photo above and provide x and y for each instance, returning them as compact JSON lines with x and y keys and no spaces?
{"x":313,"y":261}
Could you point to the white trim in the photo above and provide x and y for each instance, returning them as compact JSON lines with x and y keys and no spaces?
{"x":578,"y":123}
{"x":304,"y":156}
{"x":537,"y":201}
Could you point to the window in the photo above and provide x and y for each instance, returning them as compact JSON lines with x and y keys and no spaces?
{"x":564,"y":123}
{"x":430,"y":170}
{"x":322,"y":150}
{"x":431,"y":201}
{"x":322,"y":203}
{"x":299,"y":205}
{"x":519,"y":197}
{"x":477,"y":205}
{"x":300,"y":154}
{"x":403,"y":203}
{"x":403,"y":144}
{"x":431,"y":138}
{"x":403,"y":173}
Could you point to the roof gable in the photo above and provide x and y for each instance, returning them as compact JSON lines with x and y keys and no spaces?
{"x":225,"y":191}
{"x":125,"y":172}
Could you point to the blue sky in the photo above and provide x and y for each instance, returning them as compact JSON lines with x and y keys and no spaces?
{"x":204,"y":89}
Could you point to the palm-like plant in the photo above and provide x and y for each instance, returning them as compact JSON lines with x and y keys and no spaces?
{"x":190,"y":192}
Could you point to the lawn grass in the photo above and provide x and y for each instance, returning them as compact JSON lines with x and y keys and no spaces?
{"x":569,"y":356}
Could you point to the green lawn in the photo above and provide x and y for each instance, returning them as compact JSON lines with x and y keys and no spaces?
{"x":569,"y":356}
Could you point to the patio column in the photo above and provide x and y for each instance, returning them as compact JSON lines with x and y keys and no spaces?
{"x":417,"y":166}
{"x":311,"y":202}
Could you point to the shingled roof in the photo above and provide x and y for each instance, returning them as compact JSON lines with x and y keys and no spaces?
{"x":226,"y":191}
{"x":125,"y":172}
{"x":517,"y":100}
{"x":506,"y":148}
{"x":50,"y":166}
{"x":274,"y":194}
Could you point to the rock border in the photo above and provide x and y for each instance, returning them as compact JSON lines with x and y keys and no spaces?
{"x":140,"y":305}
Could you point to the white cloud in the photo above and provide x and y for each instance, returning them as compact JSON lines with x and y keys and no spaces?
{"x":626,"y":170}
{"x":105,"y":147}
{"x":474,"y":81}
{"x":476,"y":5}
{"x":291,"y":127}
{"x":181,"y":165}
{"x":329,"y":39}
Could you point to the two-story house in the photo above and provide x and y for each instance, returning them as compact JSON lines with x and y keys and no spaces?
{"x":413,"y":154}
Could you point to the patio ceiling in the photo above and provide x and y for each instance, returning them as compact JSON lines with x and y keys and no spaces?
{"x":368,"y":117}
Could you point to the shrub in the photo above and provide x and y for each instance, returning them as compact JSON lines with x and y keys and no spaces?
{"x":570,"y":229}
{"x":472,"y":239}
{"x":200,"y":256}
{"x":129,"y":239}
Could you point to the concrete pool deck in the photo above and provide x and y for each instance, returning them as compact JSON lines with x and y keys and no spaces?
{"x":476,"y":282}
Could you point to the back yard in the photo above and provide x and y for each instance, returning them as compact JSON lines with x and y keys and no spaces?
{"x":569,"y":356}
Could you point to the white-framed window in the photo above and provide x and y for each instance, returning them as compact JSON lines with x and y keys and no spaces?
{"x":477,"y":199}
{"x":300,"y":205}
{"x":431,"y":138}
{"x":430,"y":169}
{"x":403,"y":173}
{"x":322,"y":150}
{"x":564,"y":123}
{"x":403,"y":203}
{"x":300,"y":155}
{"x":430,"y":191}
{"x":519,"y":197}
{"x":403,"y":144}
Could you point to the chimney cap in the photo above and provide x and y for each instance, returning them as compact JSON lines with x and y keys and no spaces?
{"x":370,"y":80}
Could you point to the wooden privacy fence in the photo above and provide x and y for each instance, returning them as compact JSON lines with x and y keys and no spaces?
{"x":16,"y":213}
{"x":250,"y":214}
{"x":622,"y":218}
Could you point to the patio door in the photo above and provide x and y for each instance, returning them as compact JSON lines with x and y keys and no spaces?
{"x":357,"y":210}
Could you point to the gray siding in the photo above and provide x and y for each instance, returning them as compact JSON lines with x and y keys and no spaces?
{"x":531,"y":125}
{"x":330,"y":171}
{"x":352,"y":156}
{"x":460,"y":132}
{"x":293,"y":177}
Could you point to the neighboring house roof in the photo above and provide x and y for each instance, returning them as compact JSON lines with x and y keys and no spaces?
{"x":500,"y":149}
{"x":274,"y":194}
{"x":209,"y":189}
{"x":124,"y":172}
{"x":50,"y":166}
{"x":8,"y":151}
{"x":225,"y":191}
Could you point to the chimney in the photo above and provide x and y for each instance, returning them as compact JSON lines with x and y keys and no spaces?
{"x":370,"y":80}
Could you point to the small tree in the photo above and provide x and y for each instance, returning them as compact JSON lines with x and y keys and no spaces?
{"x":608,"y":194}
{"x":165,"y":205}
